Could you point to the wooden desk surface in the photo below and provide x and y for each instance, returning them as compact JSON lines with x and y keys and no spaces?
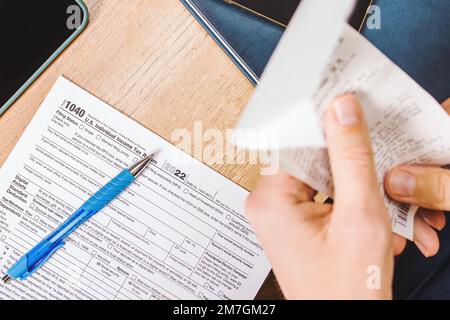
{"x":151,"y":60}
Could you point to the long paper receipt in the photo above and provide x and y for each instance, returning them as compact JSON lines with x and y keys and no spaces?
{"x":178,"y":232}
{"x":407,"y":125}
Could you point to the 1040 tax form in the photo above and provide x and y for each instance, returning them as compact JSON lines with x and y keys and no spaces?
{"x":178,"y":232}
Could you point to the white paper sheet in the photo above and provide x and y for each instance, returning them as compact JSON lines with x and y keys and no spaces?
{"x":407,"y":125}
{"x":178,"y":232}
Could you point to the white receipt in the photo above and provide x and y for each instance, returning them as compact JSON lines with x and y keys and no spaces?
{"x":407,"y":125}
{"x":178,"y":232}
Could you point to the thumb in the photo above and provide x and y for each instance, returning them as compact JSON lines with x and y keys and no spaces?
{"x":351,"y":155}
{"x":425,"y":187}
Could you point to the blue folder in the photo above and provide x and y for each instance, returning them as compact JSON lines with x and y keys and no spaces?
{"x":247,"y":39}
{"x":415,"y":34}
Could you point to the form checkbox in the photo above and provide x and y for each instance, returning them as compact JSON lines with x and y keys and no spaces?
{"x":133,"y":277}
{"x":110,"y":246}
{"x":186,"y":191}
{"x":94,"y":252}
{"x":98,"y":137}
{"x":200,"y":294}
{"x":81,"y":127}
{"x":32,"y":206}
{"x":228,"y":217}
{"x":3,"y":238}
{"x":206,"y":285}
{"x":36,"y":217}
{"x":135,"y":160}
{"x":220,"y":294}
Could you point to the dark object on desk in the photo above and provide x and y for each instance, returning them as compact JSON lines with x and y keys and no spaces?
{"x":281,"y":12}
{"x":249,"y":40}
{"x":33,"y":34}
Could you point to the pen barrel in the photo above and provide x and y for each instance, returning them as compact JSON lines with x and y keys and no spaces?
{"x":94,"y":204}
{"x":109,"y":192}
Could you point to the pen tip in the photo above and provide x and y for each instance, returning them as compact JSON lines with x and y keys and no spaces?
{"x":6,"y":279}
{"x":139,"y":166}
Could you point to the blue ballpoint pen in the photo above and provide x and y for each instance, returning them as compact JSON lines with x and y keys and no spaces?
{"x":37,"y":256}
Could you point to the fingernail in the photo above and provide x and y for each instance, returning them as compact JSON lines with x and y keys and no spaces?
{"x":422,"y":248}
{"x":402,"y":183}
{"x":347,"y":111}
{"x":432,"y":224}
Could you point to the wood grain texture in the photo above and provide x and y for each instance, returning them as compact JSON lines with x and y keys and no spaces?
{"x":152,"y":61}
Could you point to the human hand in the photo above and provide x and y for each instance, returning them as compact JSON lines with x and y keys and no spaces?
{"x":321,"y":251}
{"x":428,"y":188}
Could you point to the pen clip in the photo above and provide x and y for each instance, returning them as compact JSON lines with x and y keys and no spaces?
{"x":43,"y":260}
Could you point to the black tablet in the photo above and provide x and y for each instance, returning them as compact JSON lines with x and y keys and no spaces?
{"x":32,"y":34}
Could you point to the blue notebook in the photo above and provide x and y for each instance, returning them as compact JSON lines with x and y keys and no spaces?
{"x":247,"y":39}
{"x":415,"y":34}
